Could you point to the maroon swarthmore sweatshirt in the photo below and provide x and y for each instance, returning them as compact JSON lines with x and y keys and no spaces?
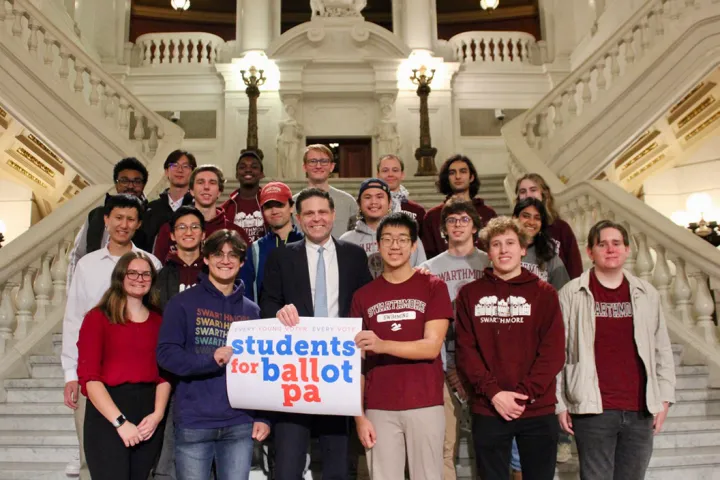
{"x":510,"y":336}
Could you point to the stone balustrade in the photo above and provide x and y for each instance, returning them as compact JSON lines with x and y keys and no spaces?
{"x":508,"y":48}
{"x":175,"y":48}
{"x":86,"y":80}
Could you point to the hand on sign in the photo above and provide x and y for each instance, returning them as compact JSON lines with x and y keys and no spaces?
{"x":506,"y":406}
{"x":367,"y":341}
{"x":222,"y":355}
{"x":260,"y":431}
{"x":366,"y":432}
{"x":288,"y":315}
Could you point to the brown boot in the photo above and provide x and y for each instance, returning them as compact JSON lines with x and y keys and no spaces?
{"x":516,"y":475}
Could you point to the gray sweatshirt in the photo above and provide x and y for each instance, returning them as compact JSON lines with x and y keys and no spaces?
{"x":346,"y":208}
{"x":365,"y":237}
{"x":553,"y":271}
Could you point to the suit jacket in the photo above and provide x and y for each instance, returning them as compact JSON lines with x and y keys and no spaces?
{"x":287,"y":278}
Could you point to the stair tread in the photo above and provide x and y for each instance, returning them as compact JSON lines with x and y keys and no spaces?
{"x":31,"y":466}
{"x":35,"y":408}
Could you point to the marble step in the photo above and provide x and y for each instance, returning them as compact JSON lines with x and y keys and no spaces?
{"x":684,"y":381}
{"x":42,"y":390}
{"x":37,"y":453}
{"x":36,"y":416}
{"x":32,"y":471}
{"x":57,"y":344}
{"x":38,"y":438}
{"x":45,"y":366}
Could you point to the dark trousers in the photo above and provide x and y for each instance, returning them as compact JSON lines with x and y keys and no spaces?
{"x":292,"y":437}
{"x":614,"y":445}
{"x":536,"y":437}
{"x":107,"y":456}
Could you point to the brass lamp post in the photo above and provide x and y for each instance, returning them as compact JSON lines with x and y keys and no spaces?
{"x":253,"y":83}
{"x":425,"y":153}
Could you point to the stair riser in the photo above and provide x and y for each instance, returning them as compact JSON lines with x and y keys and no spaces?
{"x":47,"y":371}
{"x":687,"y":439}
{"x":688,"y":382}
{"x":33,"y":395}
{"x":701,"y":472}
{"x":33,"y":475}
{"x":37,"y":454}
{"x":695,"y":409}
{"x":40,"y":422}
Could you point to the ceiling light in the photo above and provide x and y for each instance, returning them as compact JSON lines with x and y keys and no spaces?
{"x":489,"y":4}
{"x":185,"y":4}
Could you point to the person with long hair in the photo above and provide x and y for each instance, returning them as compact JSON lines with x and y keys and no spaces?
{"x":457,"y":178}
{"x":566,"y":246}
{"x":118,"y":373}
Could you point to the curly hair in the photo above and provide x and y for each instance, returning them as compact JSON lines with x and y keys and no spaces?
{"x":443,"y":181}
{"x":499,"y":225}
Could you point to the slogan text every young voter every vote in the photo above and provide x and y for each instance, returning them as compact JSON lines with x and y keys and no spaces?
{"x":313,"y":367}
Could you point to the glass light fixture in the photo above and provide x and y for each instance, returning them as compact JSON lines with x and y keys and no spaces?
{"x":489,"y":4}
{"x":180,"y":4}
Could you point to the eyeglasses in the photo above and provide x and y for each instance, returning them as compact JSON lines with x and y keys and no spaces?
{"x":180,"y":166}
{"x":458,"y":221}
{"x":230,"y":256}
{"x":402,"y":241}
{"x":135,"y":275}
{"x":138,"y":182}
{"x":182,"y":228}
{"x":319,"y":161}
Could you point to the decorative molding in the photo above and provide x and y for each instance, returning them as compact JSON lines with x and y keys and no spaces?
{"x":701,"y":127}
{"x":696,"y":111}
{"x":79,"y":182}
{"x":689,"y":99}
{"x":39,"y":164}
{"x":645,"y":167}
{"x":639,"y":156}
{"x":637,"y":145}
{"x":25,"y":173}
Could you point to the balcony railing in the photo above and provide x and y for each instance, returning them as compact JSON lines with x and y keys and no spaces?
{"x":197,"y":48}
{"x":494,"y":47}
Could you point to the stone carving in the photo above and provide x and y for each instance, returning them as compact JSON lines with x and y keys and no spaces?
{"x":290,"y":143}
{"x":337,"y":8}
{"x":386,"y":130}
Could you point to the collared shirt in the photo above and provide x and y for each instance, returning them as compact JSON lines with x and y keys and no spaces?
{"x":90,"y":281}
{"x":175,"y":204}
{"x":332,"y":275}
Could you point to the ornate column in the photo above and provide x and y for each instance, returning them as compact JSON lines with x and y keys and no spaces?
{"x":254,"y":24}
{"x":417,"y":24}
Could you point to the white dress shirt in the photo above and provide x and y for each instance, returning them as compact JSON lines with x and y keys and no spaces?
{"x":332,"y":275}
{"x":175,"y":204}
{"x":90,"y":282}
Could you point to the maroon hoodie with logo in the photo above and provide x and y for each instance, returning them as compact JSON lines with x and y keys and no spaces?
{"x":510,"y":337}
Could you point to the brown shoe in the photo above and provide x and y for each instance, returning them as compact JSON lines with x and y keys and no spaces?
{"x":516,"y":475}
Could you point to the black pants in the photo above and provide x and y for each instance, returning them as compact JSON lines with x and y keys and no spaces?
{"x":292,"y":437}
{"x":614,"y":445}
{"x":107,"y":456}
{"x":536,"y":437}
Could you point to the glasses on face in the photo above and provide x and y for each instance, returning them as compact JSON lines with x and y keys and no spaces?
{"x":458,"y":221}
{"x":138,"y":182}
{"x":402,"y":241}
{"x":319,"y":161}
{"x":182,"y":228}
{"x":230,"y":256}
{"x":180,"y":166}
{"x":135,"y":275}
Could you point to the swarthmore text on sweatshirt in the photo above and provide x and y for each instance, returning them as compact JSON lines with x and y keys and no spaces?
{"x":510,"y":337}
{"x":195,"y":324}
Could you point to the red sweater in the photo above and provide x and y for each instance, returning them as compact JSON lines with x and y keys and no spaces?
{"x":510,"y":337}
{"x":117,"y":354}
{"x":433,"y":242}
{"x":566,"y":247}
{"x":416,"y":211}
{"x":164,"y":244}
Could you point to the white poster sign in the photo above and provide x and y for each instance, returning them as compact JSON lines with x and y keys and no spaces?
{"x":313,"y":367}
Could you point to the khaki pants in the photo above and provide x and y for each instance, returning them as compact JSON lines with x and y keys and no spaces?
{"x":418,"y":433}
{"x":79,"y":414}
{"x":452,"y":417}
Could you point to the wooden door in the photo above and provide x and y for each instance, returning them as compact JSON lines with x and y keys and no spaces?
{"x":355,"y":160}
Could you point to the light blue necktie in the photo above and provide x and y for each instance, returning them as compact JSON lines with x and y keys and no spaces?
{"x":321,"y":307}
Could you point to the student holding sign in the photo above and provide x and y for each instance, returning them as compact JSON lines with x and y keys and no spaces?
{"x":192,"y":347}
{"x":405,"y":315}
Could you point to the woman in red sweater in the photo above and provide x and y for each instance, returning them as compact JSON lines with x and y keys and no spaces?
{"x":118,"y":373}
{"x":566,"y":246}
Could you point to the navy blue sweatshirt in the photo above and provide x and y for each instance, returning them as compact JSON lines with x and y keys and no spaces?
{"x":195,"y":324}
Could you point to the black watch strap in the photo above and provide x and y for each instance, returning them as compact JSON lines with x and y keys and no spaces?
{"x":119,"y":421}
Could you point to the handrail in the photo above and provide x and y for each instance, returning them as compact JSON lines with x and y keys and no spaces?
{"x":504,"y":47}
{"x":179,"y":48}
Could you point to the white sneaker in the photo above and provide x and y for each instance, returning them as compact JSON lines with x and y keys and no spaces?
{"x":563,"y":453}
{"x":72,"y":469}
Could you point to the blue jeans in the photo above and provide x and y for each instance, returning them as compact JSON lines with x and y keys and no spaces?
{"x":231,"y":447}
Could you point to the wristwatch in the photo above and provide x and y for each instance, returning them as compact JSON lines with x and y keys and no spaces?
{"x":119,"y":421}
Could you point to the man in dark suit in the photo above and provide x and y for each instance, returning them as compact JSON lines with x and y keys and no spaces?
{"x":315,"y":277}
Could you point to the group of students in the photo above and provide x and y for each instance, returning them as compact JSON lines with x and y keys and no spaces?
{"x":458,"y":305}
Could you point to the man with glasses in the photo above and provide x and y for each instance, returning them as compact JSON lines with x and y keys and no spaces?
{"x":122,"y":217}
{"x":207,"y":429}
{"x":319,"y":163}
{"x":129,"y":176}
{"x":315,"y":277}
{"x":461,"y":264}
{"x":206,"y":184}
{"x":405,"y":318}
{"x":243,"y":207}
{"x":178,"y":167}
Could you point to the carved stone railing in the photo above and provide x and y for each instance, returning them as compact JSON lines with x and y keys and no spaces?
{"x":505,"y":48}
{"x":65,"y":62}
{"x":191,"y":48}
{"x":662,"y":50}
